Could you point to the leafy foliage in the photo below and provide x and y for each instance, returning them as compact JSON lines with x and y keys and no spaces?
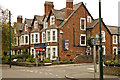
{"x":6,"y":38}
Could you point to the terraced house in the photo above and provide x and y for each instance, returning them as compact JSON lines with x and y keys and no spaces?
{"x":63,"y":33}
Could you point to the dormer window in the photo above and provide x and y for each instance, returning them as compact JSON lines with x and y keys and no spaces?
{"x":46,"y":24}
{"x":25,"y":27}
{"x":52,"y":20}
{"x":35,"y":25}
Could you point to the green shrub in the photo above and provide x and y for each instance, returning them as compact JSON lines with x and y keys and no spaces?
{"x":19,"y":60}
{"x":6,"y":58}
{"x":47,"y":60}
{"x":32,"y":60}
{"x":27,"y":60}
{"x":111,"y":63}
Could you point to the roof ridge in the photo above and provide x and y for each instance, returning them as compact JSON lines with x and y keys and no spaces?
{"x":77,"y":3}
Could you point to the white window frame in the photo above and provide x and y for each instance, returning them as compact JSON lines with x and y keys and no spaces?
{"x":36,"y":38}
{"x":51,"y":35}
{"x":51,"y":52}
{"x":25,"y":27}
{"x":33,"y":51}
{"x":103,"y":36}
{"x":34,"y":42}
{"x":35,"y":25}
{"x":85,"y":39}
{"x":88,"y":18}
{"x":43,"y":37}
{"x":55,"y":35}
{"x":52,"y":22}
{"x":25,"y":40}
{"x":116,"y":39}
{"x":116,"y":50}
{"x":47,"y":35}
{"x":104,"y":50}
{"x":84,"y":23}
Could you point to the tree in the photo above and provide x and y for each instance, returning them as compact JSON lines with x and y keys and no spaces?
{"x":5,"y":31}
{"x":6,"y":38}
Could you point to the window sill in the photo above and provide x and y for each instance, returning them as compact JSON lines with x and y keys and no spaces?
{"x":82,"y":44}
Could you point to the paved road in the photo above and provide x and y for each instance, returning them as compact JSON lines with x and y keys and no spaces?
{"x":84,"y":70}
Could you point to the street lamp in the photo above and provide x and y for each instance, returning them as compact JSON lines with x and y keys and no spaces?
{"x":101,"y":60}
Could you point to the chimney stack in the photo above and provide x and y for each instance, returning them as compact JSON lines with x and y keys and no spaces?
{"x":69,"y":8}
{"x":19,"y":19}
{"x":48,"y":6}
{"x":69,"y":4}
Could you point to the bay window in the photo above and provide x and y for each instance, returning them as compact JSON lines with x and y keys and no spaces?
{"x":43,"y":37}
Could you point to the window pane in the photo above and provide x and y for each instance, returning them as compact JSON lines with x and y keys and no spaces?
{"x":36,"y":37}
{"x":53,"y":35}
{"x":32,"y":38}
{"x":26,"y":39}
{"x":82,"y":39}
{"x":48,"y":52}
{"x":114,"y":39}
{"x":115,"y":50}
{"x":22,"y":39}
{"x":82,"y":24}
{"x":48,"y":36}
{"x":54,"y":49}
{"x":36,"y":25}
{"x":43,"y":37}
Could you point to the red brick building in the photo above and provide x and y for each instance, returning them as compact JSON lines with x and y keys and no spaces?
{"x":63,"y":33}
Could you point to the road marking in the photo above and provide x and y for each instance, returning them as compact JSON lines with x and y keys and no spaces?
{"x":31,"y":71}
{"x":91,"y":68}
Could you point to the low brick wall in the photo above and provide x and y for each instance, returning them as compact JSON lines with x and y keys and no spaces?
{"x":84,"y":59}
{"x":111,"y":70}
{"x":89,"y":58}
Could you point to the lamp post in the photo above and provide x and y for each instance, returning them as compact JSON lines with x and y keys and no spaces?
{"x":10,"y":35}
{"x":101,"y":60}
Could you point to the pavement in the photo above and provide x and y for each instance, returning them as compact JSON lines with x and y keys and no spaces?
{"x":70,"y":71}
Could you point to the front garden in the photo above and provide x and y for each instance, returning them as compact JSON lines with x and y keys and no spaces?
{"x":112,"y":68}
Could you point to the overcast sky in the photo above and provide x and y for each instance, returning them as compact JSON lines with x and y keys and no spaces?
{"x":29,"y":8}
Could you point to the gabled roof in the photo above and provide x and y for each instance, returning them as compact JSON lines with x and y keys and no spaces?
{"x":113,"y":29}
{"x":39,"y":19}
{"x":19,"y":26}
{"x":29,"y":22}
{"x":75,"y":7}
{"x":60,"y":15}
{"x":93,"y":23}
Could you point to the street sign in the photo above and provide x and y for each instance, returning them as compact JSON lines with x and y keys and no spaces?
{"x":39,"y":49}
{"x":41,"y":45}
{"x":94,"y":42}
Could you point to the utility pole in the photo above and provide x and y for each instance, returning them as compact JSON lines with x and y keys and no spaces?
{"x":101,"y":60}
{"x":10,"y":35}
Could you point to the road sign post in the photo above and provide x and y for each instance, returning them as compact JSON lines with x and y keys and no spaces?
{"x":95,"y":66}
